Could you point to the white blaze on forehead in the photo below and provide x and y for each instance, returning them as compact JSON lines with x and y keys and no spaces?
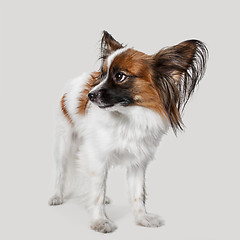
{"x":113,"y":55}
{"x":109,"y":62}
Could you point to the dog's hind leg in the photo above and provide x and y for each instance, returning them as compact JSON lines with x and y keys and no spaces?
{"x":62,"y":153}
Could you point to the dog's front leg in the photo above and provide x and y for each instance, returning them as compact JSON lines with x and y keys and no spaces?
{"x":136,"y":181}
{"x":100,"y":221}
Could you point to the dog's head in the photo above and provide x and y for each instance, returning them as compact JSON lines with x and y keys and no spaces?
{"x":162,"y":82}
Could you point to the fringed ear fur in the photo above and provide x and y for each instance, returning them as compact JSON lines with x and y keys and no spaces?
{"x":108,"y":45}
{"x":177,"y":71}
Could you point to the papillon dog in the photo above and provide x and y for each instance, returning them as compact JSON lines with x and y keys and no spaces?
{"x":118,"y":115}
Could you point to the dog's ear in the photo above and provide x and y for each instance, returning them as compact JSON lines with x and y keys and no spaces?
{"x":177,"y":71}
{"x":108,"y":45}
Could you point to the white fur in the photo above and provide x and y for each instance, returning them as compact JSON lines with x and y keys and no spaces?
{"x":114,"y":54}
{"x":101,"y":138}
{"x":109,"y":62}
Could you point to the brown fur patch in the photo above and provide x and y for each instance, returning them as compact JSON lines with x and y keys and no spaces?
{"x":64,"y":109}
{"x":93,"y":173}
{"x":144,"y":91}
{"x":83,"y":100}
{"x":178,"y":70}
{"x":98,"y":198}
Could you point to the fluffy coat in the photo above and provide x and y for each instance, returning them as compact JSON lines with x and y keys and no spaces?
{"x":117,"y":116}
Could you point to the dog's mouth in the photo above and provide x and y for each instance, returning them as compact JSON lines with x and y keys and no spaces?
{"x":123,"y":103}
{"x":105,"y":106}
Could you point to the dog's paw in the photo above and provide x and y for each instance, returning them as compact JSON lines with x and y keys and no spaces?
{"x":107,"y":200}
{"x":55,"y":200}
{"x":103,"y":226}
{"x":149,"y":220}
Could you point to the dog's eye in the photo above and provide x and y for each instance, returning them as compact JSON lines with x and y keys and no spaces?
{"x":119,"y":77}
{"x":102,"y":75}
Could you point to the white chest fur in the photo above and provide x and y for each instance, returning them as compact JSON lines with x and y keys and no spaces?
{"x":130,"y":136}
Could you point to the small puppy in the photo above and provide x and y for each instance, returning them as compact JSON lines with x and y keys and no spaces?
{"x":117,"y":116}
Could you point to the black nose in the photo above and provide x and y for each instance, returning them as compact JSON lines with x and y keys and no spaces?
{"x":92,"y":96}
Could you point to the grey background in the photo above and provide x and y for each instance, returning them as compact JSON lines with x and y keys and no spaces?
{"x":193,"y":184}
